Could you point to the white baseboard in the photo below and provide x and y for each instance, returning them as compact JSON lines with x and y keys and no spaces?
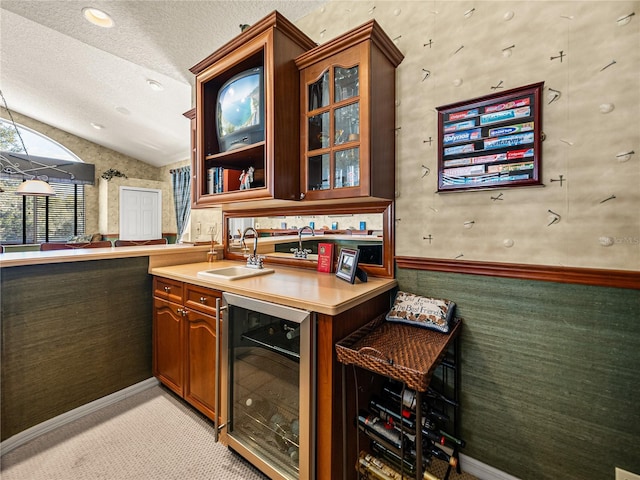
{"x":29,"y":434}
{"x":482,"y":470}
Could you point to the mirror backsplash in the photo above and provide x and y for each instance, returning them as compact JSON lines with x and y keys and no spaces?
{"x":361,"y":231}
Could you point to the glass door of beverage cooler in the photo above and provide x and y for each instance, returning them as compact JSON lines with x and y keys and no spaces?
{"x":269,"y":361}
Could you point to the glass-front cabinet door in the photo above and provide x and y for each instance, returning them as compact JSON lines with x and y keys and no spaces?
{"x":333,"y":131}
{"x":347,"y":90}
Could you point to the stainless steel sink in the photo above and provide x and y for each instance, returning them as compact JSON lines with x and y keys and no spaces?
{"x":234,"y":273}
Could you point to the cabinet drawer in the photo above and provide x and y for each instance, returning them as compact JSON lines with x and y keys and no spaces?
{"x":201,"y":299}
{"x":167,"y":289}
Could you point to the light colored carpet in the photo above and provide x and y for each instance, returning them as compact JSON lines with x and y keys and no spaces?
{"x":149,"y":436}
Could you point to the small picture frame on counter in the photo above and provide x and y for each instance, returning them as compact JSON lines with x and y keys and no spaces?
{"x":347,"y":265}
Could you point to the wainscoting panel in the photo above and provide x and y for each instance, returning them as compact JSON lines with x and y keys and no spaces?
{"x":550,"y":373}
{"x":71,"y":333}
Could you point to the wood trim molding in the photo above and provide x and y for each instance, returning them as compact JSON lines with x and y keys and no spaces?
{"x":546,"y":273}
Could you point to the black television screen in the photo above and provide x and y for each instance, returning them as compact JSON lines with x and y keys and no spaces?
{"x":240,"y":110}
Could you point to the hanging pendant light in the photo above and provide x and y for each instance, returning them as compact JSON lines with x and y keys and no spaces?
{"x":36,"y":188}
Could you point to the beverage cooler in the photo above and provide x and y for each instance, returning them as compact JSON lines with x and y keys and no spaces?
{"x":267,"y":386}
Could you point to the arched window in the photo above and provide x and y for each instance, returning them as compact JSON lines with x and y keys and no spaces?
{"x":40,"y":219}
{"x":37,"y":144}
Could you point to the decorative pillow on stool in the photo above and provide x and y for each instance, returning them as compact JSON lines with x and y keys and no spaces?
{"x":433,"y":313}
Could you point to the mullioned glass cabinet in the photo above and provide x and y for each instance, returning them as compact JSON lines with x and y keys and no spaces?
{"x":347,"y":90}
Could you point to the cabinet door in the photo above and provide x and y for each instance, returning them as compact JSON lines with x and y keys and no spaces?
{"x":168,"y":344}
{"x":332,"y":102}
{"x":201,"y":362}
{"x":347,"y":106}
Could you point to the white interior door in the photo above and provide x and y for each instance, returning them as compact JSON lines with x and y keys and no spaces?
{"x":140,"y":213}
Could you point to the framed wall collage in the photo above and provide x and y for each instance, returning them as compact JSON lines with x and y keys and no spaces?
{"x":493,"y":141}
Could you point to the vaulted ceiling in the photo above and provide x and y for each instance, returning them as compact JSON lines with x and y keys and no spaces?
{"x":57,"y":68}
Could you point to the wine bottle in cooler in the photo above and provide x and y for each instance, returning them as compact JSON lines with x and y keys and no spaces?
{"x":293,"y":333}
{"x":259,"y":409}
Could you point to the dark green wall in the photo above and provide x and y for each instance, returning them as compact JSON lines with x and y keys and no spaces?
{"x":71,"y":333}
{"x":550,"y":373}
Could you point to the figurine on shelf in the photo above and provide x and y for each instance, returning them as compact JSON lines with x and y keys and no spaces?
{"x":246,"y":178}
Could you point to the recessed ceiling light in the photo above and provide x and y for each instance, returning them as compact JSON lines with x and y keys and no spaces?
{"x":97,"y":17}
{"x":97,"y":126}
{"x":154,"y":85}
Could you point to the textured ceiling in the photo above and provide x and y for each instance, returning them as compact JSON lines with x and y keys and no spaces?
{"x":59,"y":69}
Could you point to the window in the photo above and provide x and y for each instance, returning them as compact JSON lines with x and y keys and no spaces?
{"x":39,"y":219}
{"x":37,"y":144}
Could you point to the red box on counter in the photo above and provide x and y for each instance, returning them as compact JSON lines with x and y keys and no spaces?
{"x":325,"y":257}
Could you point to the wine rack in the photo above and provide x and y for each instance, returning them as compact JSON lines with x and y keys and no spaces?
{"x":416,"y":414}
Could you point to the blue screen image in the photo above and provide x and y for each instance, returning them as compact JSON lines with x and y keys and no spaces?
{"x":239,"y":104}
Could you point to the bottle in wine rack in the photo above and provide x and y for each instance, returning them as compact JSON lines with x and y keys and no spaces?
{"x":442,"y":455}
{"x":378,"y":469}
{"x":409,"y":399}
{"x":429,"y":435}
{"x":390,"y":408}
{"x":405,"y":464}
{"x":432,"y":393}
{"x":403,"y":418}
{"x":379,"y":430}
{"x":454,"y":440}
{"x":389,"y":411}
{"x":400,"y":421}
{"x":391,"y":438}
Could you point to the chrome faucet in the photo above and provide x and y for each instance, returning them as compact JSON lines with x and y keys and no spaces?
{"x":300,"y":252}
{"x":255,"y":260}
